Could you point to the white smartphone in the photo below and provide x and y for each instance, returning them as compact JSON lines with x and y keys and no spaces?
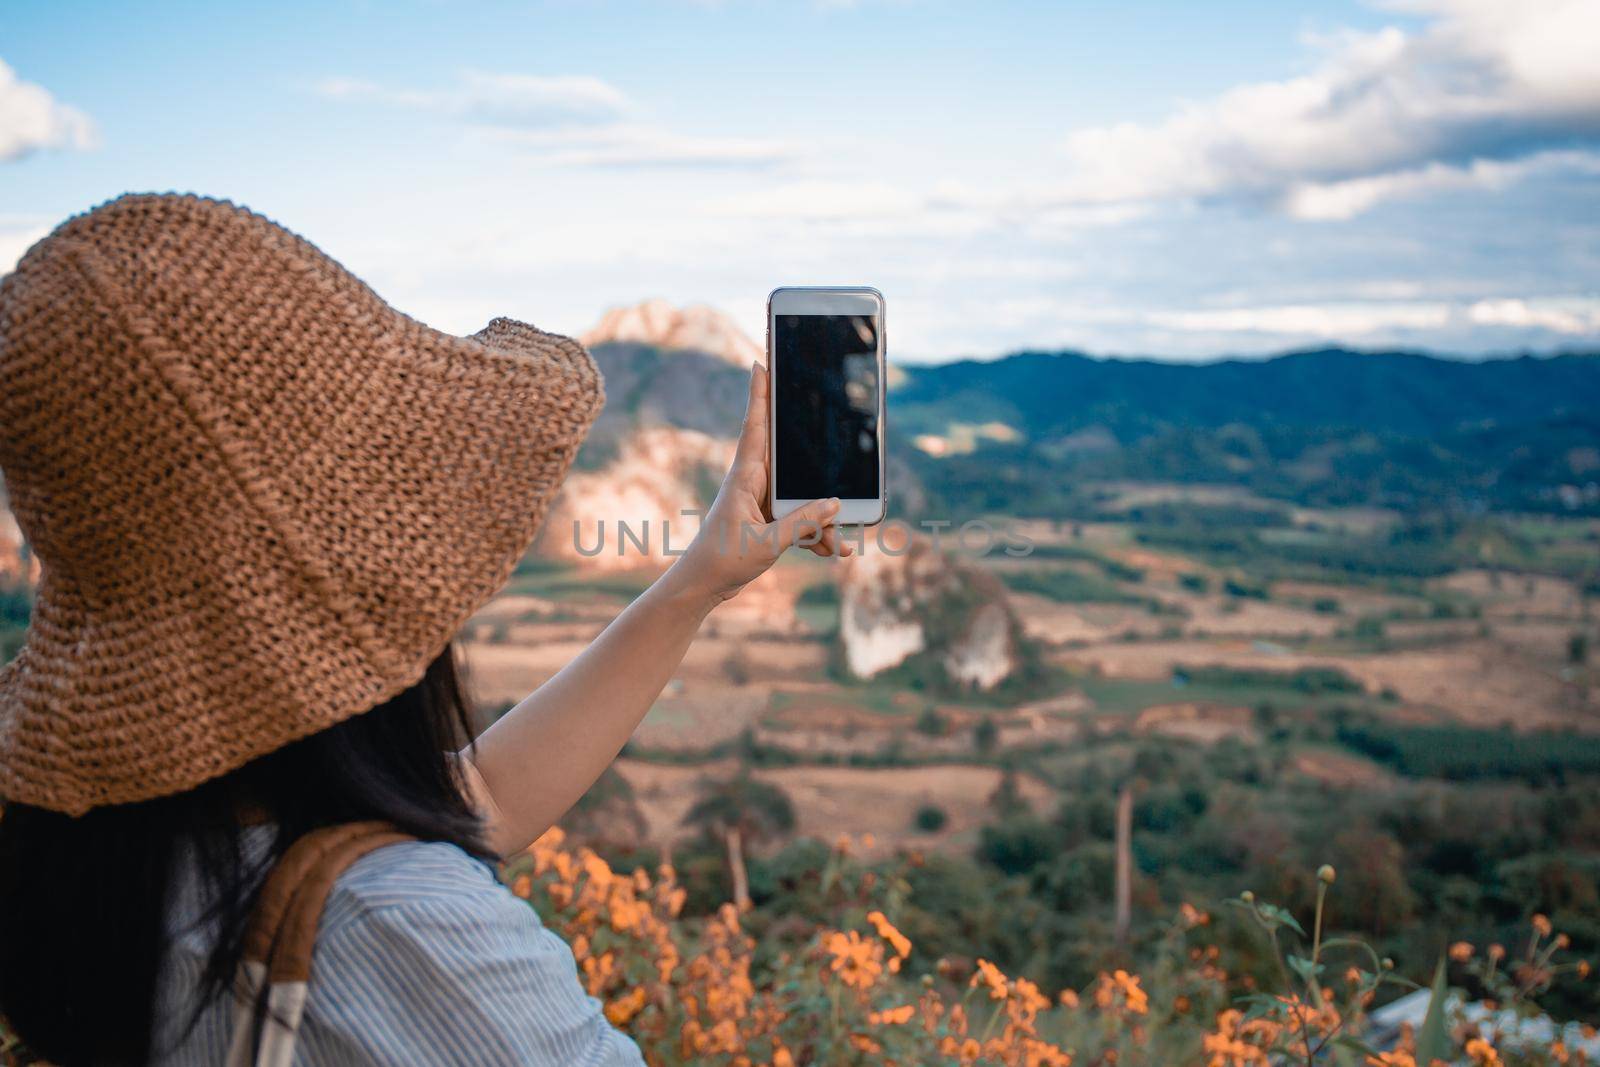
{"x":825,"y":361}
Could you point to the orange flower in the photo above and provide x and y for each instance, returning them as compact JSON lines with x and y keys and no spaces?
{"x":1068,"y":998}
{"x":892,"y":1016}
{"x":622,"y":1010}
{"x":1541,"y":925}
{"x":1229,"y":1046}
{"x":966,"y":1051}
{"x":1120,"y":991}
{"x":1461,"y":951}
{"x":1037,"y":1053}
{"x":1392,"y":1059}
{"x":886,"y":930}
{"x":865,"y":1043}
{"x":1483,"y":1053}
{"x":1025,"y":1004}
{"x":991,"y":976}
{"x":856,"y":961}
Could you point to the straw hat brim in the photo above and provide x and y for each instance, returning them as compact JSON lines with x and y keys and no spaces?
{"x":322,"y":593}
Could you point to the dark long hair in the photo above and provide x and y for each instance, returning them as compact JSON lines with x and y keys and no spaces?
{"x":84,"y":901}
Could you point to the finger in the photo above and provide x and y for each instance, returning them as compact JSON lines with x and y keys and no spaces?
{"x":828,"y":544}
{"x":807,"y":521}
{"x":752,"y":450}
{"x":834,"y":544}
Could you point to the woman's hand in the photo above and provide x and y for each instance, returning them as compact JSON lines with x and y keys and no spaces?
{"x":736,"y":544}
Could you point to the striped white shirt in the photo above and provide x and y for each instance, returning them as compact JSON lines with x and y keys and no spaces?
{"x":422,"y":957}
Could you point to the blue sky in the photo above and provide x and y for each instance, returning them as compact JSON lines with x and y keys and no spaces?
{"x":1181,"y":180}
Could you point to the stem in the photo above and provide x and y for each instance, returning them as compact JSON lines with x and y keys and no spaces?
{"x":1288,"y":985}
{"x":994,"y":1017}
{"x":1331,"y":1035}
{"x":1316,"y":946}
{"x":1316,"y":926}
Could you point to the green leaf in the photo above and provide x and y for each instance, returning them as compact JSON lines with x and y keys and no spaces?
{"x":1277,"y":915}
{"x":1351,"y":1052}
{"x":1307,"y":970}
{"x":1354,"y":1044}
{"x":1259,"y":1005}
{"x":1432,"y":1044}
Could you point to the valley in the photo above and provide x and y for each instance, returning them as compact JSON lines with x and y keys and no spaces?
{"x":1325,"y":608}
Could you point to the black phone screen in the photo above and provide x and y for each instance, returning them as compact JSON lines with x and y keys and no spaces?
{"x":825,"y":371}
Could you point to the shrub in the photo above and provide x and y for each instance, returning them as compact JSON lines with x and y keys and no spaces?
{"x":932,"y":722}
{"x":986,"y":735}
{"x":930,"y":819}
{"x":864,"y":987}
{"x":1019,"y":844}
{"x":1464,"y":754}
{"x":1245,"y":588}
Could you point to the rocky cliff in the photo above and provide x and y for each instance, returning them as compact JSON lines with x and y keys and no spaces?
{"x":923,"y":605}
{"x":697,"y":328}
{"x":657,"y":473}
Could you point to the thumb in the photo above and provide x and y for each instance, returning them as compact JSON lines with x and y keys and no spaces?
{"x":805,"y":524}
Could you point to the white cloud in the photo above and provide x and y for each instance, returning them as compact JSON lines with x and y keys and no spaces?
{"x":1347,"y":199}
{"x":581,"y":121}
{"x":17,"y":235}
{"x":31,"y":119}
{"x":635,"y":145}
{"x":1484,"y":84}
{"x":879,"y":209}
{"x":1308,"y":320}
{"x":817,"y":201}
{"x":506,"y":100}
{"x":1575,"y":316}
{"x":1572,"y":316}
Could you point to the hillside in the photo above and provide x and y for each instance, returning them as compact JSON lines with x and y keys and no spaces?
{"x":1026,"y":433}
{"x":1047,"y":395}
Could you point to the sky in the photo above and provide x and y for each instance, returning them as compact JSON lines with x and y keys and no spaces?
{"x":1177,"y":180}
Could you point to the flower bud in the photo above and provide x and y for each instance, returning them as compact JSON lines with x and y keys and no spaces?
{"x":1248,"y":897}
{"x":1326,"y":874}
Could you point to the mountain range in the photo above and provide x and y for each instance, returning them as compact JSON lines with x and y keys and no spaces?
{"x":1026,"y":433}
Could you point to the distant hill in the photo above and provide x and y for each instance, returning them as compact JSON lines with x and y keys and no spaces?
{"x":1027,"y":433}
{"x":1043,"y":394}
{"x":1327,"y":427}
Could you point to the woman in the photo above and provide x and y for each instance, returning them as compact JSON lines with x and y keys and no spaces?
{"x":264,"y":502}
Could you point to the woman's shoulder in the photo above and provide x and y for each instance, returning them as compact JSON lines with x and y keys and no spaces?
{"x":422,"y":947}
{"x":417,"y":875}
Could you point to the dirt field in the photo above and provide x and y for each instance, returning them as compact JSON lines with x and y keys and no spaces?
{"x":1498,"y":653}
{"x":1206,"y":723}
{"x":830,"y":801}
{"x":1483,"y":683}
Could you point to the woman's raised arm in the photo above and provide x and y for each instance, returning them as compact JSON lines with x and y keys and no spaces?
{"x":528,"y":768}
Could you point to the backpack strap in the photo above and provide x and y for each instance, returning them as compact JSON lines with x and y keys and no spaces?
{"x":275,"y":968}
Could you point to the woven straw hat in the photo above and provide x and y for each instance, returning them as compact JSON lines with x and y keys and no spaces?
{"x":262,"y":499}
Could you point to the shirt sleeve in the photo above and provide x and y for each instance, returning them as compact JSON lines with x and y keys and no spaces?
{"x":468,"y":976}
